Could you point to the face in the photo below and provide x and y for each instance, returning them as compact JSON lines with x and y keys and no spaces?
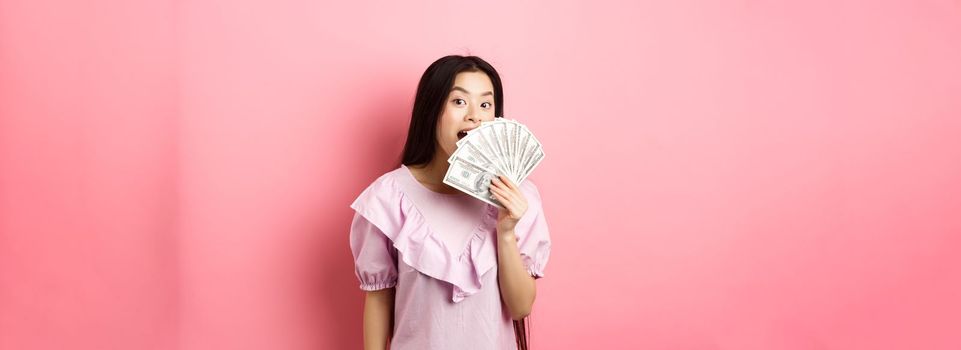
{"x":469,"y":102}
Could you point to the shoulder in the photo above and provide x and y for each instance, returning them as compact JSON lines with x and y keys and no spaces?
{"x":531,"y":193}
{"x":382,"y":189}
{"x":528,"y":186}
{"x":387,"y":181}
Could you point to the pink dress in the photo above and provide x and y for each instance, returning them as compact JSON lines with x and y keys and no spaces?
{"x":440,"y":252}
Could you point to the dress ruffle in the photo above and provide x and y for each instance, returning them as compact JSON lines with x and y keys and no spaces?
{"x":419,"y":246}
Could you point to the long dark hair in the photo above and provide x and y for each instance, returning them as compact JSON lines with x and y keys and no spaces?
{"x":429,"y":101}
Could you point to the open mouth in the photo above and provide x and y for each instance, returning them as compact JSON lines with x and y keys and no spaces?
{"x":461,"y":134}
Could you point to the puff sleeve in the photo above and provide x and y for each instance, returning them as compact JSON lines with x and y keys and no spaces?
{"x":533,"y":236}
{"x":375,"y":258}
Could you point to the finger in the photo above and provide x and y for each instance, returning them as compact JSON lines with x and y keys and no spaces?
{"x":512,"y":188}
{"x":498,"y":183}
{"x":500,"y":198}
{"x":513,"y":193}
{"x":506,"y":203}
{"x":508,"y":182}
{"x":506,"y":193}
{"x":503,"y":196}
{"x":499,"y":191}
{"x":510,"y":201}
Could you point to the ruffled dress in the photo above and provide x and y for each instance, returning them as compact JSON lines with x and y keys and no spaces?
{"x":440,"y":253}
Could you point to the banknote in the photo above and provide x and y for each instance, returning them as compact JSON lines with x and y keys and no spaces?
{"x":472,"y":179}
{"x":499,"y":147}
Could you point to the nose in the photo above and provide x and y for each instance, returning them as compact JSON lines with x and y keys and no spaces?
{"x":471,"y":116}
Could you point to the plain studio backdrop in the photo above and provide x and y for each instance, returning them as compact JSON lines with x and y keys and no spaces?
{"x":719,"y":174}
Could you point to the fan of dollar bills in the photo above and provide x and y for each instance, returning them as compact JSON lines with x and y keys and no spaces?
{"x":499,"y":147}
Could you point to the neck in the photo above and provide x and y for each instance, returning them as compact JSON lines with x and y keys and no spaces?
{"x":432,"y":174}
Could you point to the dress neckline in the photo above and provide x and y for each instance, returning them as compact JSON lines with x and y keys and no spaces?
{"x":478,"y":232}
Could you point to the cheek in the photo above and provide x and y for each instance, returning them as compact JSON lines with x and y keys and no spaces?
{"x":447,"y":123}
{"x":445,"y":131}
{"x":450,"y":115}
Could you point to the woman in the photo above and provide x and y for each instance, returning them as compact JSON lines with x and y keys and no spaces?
{"x":443,"y":270}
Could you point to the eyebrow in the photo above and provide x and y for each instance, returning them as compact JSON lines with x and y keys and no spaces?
{"x":458,"y":88}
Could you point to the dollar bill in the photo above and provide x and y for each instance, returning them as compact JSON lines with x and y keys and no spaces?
{"x":499,"y":147}
{"x":471,"y":179}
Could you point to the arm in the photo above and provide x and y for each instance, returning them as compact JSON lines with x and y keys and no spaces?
{"x":518,"y":289}
{"x":378,"y":318}
{"x":516,"y":284}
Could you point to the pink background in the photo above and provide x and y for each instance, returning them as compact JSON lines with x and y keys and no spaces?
{"x":720,"y":175}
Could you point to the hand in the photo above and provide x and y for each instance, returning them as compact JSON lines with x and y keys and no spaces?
{"x":514,"y":202}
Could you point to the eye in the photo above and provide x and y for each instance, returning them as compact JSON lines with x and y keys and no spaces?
{"x":486,"y":105}
{"x":459,"y":101}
